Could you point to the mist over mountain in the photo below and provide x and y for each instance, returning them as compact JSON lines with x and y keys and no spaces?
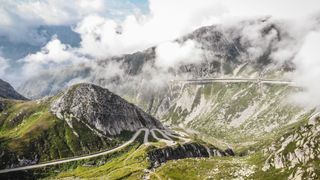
{"x":212,"y":51}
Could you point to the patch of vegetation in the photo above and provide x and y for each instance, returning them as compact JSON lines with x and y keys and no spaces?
{"x":128,"y":164}
{"x":28,"y":129}
{"x":227,"y":102}
{"x":206,"y":168}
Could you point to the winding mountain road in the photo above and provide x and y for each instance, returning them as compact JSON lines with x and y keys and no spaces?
{"x":134,"y":137}
{"x":146,"y":137}
{"x":166,"y":139}
{"x":178,"y":137}
{"x":162,"y":134}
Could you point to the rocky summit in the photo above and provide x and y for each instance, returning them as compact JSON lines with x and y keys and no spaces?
{"x":8,"y":92}
{"x":101,"y":109}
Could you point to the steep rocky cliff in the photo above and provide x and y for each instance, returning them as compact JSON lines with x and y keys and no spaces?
{"x":8,"y":92}
{"x":102,"y":110}
{"x":188,"y":150}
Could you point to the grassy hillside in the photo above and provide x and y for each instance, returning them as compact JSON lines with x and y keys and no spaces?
{"x":236,"y":113}
{"x":132,"y":163}
{"x":273,"y":139}
{"x":128,"y":165}
{"x":293,"y":155}
{"x":29,"y":131}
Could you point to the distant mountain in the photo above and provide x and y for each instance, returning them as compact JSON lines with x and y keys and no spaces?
{"x":226,"y":53}
{"x":8,"y":92}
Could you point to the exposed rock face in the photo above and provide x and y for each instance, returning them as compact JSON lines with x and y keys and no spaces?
{"x":101,"y":109}
{"x":189,"y":150}
{"x":11,"y":160}
{"x":8,"y":92}
{"x":298,"y":151}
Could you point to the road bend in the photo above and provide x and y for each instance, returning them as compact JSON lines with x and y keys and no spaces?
{"x":72,"y":159}
{"x":163,"y":134}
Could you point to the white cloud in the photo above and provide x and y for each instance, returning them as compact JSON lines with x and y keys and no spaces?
{"x":98,"y":36}
{"x":21,"y":18}
{"x":173,"y":54}
{"x":307,"y":74}
{"x":54,"y":51}
{"x":280,"y":9}
{"x":52,"y":12}
{"x":168,"y":19}
{"x":53,"y":55}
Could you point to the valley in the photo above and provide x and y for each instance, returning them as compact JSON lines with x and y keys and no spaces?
{"x":224,"y":110}
{"x":260,"y":115}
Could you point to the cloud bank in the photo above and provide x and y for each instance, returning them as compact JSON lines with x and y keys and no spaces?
{"x":103,"y":37}
{"x":307,"y":74}
{"x":173,"y":54}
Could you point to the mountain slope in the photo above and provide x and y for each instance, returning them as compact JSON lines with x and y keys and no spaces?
{"x":293,"y":155}
{"x":296,"y":152}
{"x":224,"y":50}
{"x":82,"y":120}
{"x":243,"y":112}
{"x":8,"y":92}
{"x":101,"y":109}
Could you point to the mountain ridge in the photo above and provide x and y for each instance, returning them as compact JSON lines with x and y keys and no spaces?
{"x":8,"y":92}
{"x":223,"y":50}
{"x":101,"y":109}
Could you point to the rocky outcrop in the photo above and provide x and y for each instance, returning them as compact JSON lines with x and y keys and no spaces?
{"x":188,"y":150}
{"x":102,"y":110}
{"x":297,"y":151}
{"x":12,"y":160}
{"x":8,"y":92}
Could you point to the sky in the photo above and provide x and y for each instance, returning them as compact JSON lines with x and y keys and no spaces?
{"x":22,"y":18}
{"x":38,"y":35}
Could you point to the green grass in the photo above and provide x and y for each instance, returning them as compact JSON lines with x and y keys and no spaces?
{"x":219,"y":168}
{"x":204,"y":168}
{"x":29,"y":128}
{"x":129,"y":165}
{"x":226,"y":101}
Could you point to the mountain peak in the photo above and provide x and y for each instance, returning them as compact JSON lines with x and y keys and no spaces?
{"x":101,"y":109}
